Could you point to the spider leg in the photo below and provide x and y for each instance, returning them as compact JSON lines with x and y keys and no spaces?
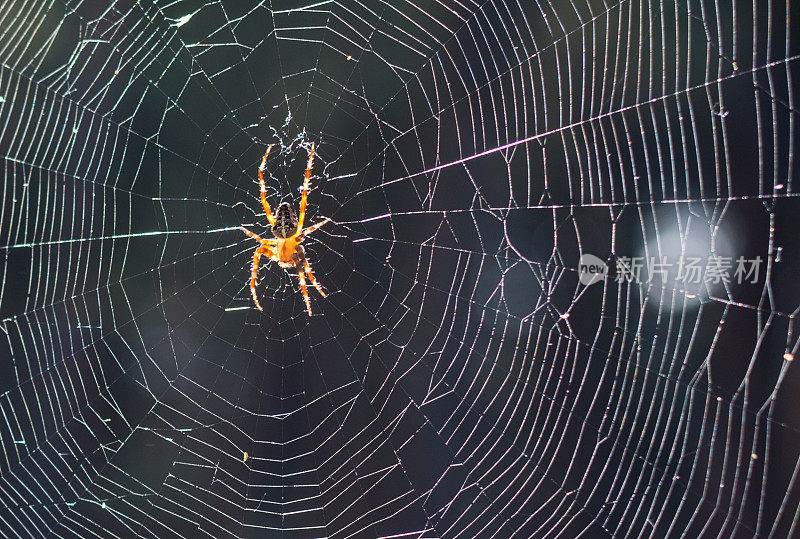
{"x":312,"y":228}
{"x":305,"y":190}
{"x":263,"y":249}
{"x":264,"y":202}
{"x":252,"y":234}
{"x":253,"y":277}
{"x":303,"y":289}
{"x":311,"y":277}
{"x":269,"y":241}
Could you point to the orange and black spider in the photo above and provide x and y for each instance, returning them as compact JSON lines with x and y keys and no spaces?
{"x":285,"y":248}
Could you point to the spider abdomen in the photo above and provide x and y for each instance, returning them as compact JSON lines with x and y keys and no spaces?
{"x":285,"y":222}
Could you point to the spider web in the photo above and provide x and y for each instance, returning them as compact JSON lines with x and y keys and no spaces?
{"x":459,"y":379}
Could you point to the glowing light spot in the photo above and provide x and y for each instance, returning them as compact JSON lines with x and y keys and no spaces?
{"x":246,"y":456}
{"x":788,"y":357}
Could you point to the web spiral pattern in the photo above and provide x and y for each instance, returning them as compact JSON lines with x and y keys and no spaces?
{"x":459,"y":379}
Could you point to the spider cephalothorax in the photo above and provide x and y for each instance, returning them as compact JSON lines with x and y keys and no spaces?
{"x":285,"y":248}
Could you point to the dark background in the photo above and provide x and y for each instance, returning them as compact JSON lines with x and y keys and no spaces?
{"x":457,"y":379}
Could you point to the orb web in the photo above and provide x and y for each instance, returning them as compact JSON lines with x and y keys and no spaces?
{"x":462,"y":377}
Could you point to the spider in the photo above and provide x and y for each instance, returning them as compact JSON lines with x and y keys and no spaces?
{"x":285,"y":248}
